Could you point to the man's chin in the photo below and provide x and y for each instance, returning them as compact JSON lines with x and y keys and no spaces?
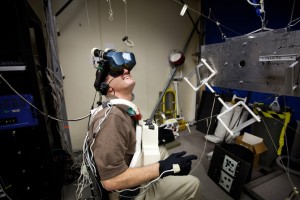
{"x":131,"y":82}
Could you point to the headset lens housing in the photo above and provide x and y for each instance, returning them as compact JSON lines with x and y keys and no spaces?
{"x":129,"y":60}
{"x":120,"y":60}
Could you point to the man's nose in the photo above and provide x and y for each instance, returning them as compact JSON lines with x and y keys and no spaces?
{"x":126,"y":71}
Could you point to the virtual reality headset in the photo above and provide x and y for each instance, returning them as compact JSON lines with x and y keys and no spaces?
{"x":116,"y":61}
{"x":110,"y":62}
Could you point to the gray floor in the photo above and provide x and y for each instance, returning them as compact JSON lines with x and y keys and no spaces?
{"x":194,"y":143}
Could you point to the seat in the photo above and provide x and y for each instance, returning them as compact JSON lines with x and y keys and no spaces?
{"x":98,"y":192}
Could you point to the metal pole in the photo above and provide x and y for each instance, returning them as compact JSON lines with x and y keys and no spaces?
{"x":149,"y":121}
{"x":161,"y":96}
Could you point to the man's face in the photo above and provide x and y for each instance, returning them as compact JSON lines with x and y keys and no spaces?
{"x":122,"y":84}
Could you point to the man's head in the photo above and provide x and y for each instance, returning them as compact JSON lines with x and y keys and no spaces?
{"x":113,"y":74}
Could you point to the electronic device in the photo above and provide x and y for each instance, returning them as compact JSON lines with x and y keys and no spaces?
{"x":16,"y":113}
{"x":146,"y":150}
{"x":117,"y":61}
{"x":110,"y":62}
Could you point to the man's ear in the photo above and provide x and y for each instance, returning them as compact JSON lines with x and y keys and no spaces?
{"x":110,"y":89}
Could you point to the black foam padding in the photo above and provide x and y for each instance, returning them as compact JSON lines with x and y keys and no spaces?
{"x":209,"y":106}
{"x":244,"y":158}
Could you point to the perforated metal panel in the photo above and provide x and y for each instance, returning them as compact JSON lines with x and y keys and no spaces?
{"x":263,"y":62}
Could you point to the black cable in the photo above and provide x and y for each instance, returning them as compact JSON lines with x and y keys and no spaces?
{"x":110,"y":86}
{"x":63,"y":8}
{"x":298,"y":77}
{"x":92,"y":107}
{"x":292,"y":13}
{"x":2,"y":185}
{"x":237,"y":122}
{"x":37,"y":109}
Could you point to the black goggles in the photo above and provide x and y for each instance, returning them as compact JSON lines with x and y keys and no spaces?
{"x":118,"y":61}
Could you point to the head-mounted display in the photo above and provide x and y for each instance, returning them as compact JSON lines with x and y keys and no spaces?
{"x":117,"y":61}
{"x":120,"y":60}
{"x":111,"y":62}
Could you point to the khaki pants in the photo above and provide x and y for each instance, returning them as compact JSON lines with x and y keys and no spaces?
{"x":170,"y":187}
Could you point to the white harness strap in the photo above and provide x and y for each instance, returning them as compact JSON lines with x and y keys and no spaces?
{"x":115,"y":102}
{"x":125,"y":102}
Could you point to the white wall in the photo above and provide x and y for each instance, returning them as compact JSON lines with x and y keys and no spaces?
{"x":155,"y":27}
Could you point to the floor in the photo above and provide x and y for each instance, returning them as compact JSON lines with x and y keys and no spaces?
{"x":194,"y":143}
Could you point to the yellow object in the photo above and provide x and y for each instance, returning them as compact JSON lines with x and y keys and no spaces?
{"x":169,"y":104}
{"x":281,"y":138}
{"x":182,"y":124}
{"x":286,"y":116}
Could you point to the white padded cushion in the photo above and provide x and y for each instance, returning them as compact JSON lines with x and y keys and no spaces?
{"x":220,"y":129}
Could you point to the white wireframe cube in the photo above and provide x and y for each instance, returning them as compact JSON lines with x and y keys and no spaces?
{"x":254,"y":118}
{"x":197,"y":72}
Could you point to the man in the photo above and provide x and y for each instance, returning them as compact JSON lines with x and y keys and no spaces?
{"x":112,"y":134}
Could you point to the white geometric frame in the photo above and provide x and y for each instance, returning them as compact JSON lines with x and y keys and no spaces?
{"x":243,"y":125}
{"x":255,"y":118}
{"x":205,"y":80}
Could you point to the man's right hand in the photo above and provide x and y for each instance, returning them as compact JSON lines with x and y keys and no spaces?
{"x":184,"y":163}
